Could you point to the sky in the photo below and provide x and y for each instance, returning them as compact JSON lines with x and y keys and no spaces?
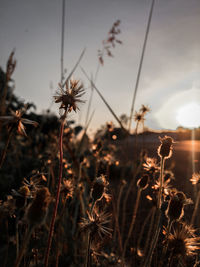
{"x":170,"y":77}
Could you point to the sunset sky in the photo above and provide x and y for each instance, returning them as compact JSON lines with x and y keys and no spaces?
{"x":170,"y":78}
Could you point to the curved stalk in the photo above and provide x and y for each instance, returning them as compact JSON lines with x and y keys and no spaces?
{"x":51,"y":231}
{"x":132,"y":222}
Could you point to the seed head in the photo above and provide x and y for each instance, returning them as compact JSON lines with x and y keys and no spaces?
{"x":175,"y":210}
{"x":96,"y":223}
{"x":139,"y":117}
{"x":183,"y":241}
{"x":15,"y":120}
{"x":144,"y":109}
{"x":151,"y":166}
{"x":165,"y":149}
{"x":70,"y":96}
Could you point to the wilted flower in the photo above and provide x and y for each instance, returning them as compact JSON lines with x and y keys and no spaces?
{"x":70,"y":96}
{"x":183,"y":241}
{"x":175,"y":210}
{"x":96,"y":223}
{"x":144,"y":109}
{"x":151,"y":166}
{"x":16,"y":120}
{"x":165,"y":149}
{"x":34,"y":182}
{"x":139,"y":117}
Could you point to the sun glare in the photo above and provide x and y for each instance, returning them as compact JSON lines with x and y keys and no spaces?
{"x":189,"y":115}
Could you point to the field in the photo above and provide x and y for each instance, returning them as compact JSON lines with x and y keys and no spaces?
{"x":115,"y":199}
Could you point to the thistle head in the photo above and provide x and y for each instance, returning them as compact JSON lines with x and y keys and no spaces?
{"x":183,"y":241}
{"x":165,"y":149}
{"x":70,"y":96}
{"x":139,"y":117}
{"x":96,"y":224}
{"x":144,"y":109}
{"x":175,"y":210}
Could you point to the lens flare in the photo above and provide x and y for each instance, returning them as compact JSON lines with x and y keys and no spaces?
{"x":189,"y":115}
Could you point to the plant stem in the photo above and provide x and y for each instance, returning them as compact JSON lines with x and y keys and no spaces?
{"x":195,"y":208}
{"x":24,"y":245}
{"x":51,"y":231}
{"x":132,"y":222}
{"x":164,"y":251}
{"x":87,"y":262}
{"x":162,"y":164}
{"x":140,"y":64}
{"x":3,"y":155}
{"x":143,"y":227}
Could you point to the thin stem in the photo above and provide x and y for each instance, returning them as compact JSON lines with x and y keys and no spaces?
{"x":126,"y":197}
{"x":150,"y":230}
{"x":162,"y":164}
{"x":104,"y":100}
{"x":143,"y":227}
{"x":140,"y":65}
{"x":24,"y":245}
{"x":89,"y":104}
{"x":3,"y":155}
{"x":117,"y":225}
{"x":158,"y":218}
{"x":87,"y":262}
{"x":195,"y":208}
{"x":51,"y":231}
{"x":164,"y":251}
{"x":153,"y":244}
{"x":132,"y":221}
{"x":62,"y":41}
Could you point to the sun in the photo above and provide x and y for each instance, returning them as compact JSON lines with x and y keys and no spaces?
{"x":189,"y":115}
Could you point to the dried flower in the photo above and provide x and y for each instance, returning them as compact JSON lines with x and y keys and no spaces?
{"x":96,"y":223}
{"x":70,"y":96}
{"x":144,"y":109}
{"x":175,"y":210}
{"x":165,"y":149}
{"x":16,"y":120}
{"x":111,"y":40}
{"x":139,"y":117}
{"x":34,"y":182}
{"x":151,"y":166}
{"x":183,"y":241}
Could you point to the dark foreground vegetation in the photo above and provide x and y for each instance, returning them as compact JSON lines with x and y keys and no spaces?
{"x":114,"y":200}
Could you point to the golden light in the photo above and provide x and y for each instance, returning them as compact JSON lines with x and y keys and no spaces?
{"x":189,"y":115}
